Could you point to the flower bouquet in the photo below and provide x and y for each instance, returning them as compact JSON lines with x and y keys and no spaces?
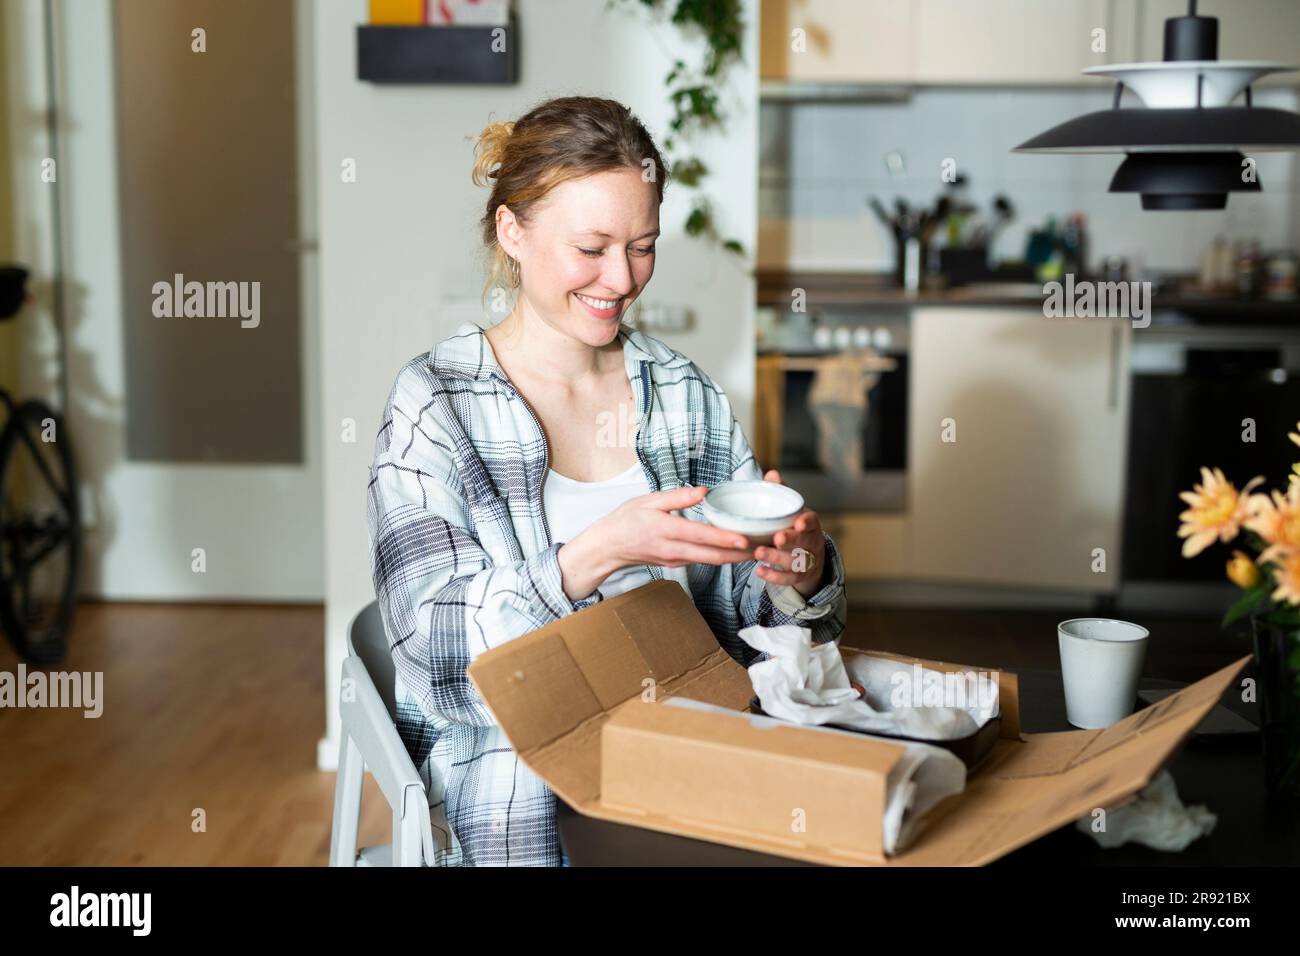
{"x":1268,"y":572}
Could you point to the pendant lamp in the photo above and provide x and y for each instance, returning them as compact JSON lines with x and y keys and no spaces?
{"x":1188,"y":146}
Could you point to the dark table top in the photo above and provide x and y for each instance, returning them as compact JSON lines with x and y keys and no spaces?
{"x":1223,"y":771}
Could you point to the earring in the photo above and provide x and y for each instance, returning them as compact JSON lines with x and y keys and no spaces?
{"x":514,"y":271}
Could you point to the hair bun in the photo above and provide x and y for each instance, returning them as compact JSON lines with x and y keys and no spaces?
{"x":490,"y":148}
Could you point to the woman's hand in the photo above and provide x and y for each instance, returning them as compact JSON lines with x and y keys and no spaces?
{"x":806,"y":537}
{"x":643,"y":531}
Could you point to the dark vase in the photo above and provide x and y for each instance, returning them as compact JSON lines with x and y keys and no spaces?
{"x":1277,"y":673}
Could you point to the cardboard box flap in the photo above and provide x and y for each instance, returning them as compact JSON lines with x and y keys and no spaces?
{"x":1052,"y":753}
{"x":1030,"y":789}
{"x":1198,"y":698}
{"x":552,"y":690}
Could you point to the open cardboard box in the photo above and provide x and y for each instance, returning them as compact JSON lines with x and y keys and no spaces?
{"x":580,"y":701}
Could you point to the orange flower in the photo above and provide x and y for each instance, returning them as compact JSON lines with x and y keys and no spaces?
{"x":1287,"y":576}
{"x":1217,"y":511}
{"x":1242,"y":571}
{"x":1277,"y":521}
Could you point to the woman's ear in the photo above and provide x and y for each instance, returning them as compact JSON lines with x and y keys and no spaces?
{"x":509,"y":231}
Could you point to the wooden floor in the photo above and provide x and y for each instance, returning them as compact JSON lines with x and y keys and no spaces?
{"x":219,"y":708}
{"x":206,"y":707}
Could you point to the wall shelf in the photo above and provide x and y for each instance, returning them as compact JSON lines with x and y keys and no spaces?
{"x":437,"y":54}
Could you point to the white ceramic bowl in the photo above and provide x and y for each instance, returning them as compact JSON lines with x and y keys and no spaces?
{"x":756,"y":509}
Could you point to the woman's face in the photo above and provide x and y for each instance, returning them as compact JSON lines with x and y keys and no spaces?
{"x":587,"y":252}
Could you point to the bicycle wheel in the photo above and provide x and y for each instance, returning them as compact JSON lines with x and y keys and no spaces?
{"x":40,"y":533}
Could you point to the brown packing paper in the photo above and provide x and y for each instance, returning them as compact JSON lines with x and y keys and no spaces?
{"x":579,"y":700}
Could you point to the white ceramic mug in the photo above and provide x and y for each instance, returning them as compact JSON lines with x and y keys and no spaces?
{"x":1101,"y":663}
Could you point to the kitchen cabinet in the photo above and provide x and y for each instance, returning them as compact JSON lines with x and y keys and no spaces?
{"x":871,"y":545}
{"x":866,"y":41}
{"x":1033,"y":481}
{"x":1017,"y":41}
{"x":1003,"y":42}
{"x":942,"y":41}
{"x":1248,"y":30}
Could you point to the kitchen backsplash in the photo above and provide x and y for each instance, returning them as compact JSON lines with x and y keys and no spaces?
{"x":819,"y":162}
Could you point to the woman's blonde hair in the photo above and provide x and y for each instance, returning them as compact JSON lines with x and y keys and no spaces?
{"x":561,"y":139}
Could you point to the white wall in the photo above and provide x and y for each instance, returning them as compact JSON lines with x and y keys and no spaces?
{"x":260,"y":525}
{"x":403,"y":237}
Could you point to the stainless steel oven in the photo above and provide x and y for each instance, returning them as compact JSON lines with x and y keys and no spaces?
{"x":832,"y":407}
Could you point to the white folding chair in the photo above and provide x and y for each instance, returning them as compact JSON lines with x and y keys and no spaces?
{"x":369,"y":741}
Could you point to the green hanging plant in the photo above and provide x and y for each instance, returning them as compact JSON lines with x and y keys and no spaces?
{"x":695,"y":95}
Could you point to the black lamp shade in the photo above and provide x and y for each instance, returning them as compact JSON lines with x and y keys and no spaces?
{"x":1180,"y":181}
{"x":1209,"y":130}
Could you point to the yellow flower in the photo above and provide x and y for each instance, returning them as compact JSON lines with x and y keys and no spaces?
{"x":1217,"y":511}
{"x":1242,"y":571}
{"x":1277,"y":521}
{"x":1295,"y":437}
{"x":1287,"y":576}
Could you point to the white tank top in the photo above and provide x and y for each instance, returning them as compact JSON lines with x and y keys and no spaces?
{"x":573,"y":505}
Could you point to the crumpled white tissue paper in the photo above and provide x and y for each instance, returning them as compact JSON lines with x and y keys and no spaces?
{"x":808,"y":684}
{"x":1153,"y":817}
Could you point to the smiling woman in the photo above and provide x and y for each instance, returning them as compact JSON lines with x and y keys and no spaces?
{"x":557,"y":144}
{"x":500,"y":499}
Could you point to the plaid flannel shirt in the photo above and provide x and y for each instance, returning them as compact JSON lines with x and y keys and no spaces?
{"x":463,"y":561}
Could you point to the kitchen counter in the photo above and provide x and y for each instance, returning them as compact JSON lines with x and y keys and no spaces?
{"x":870,"y":290}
